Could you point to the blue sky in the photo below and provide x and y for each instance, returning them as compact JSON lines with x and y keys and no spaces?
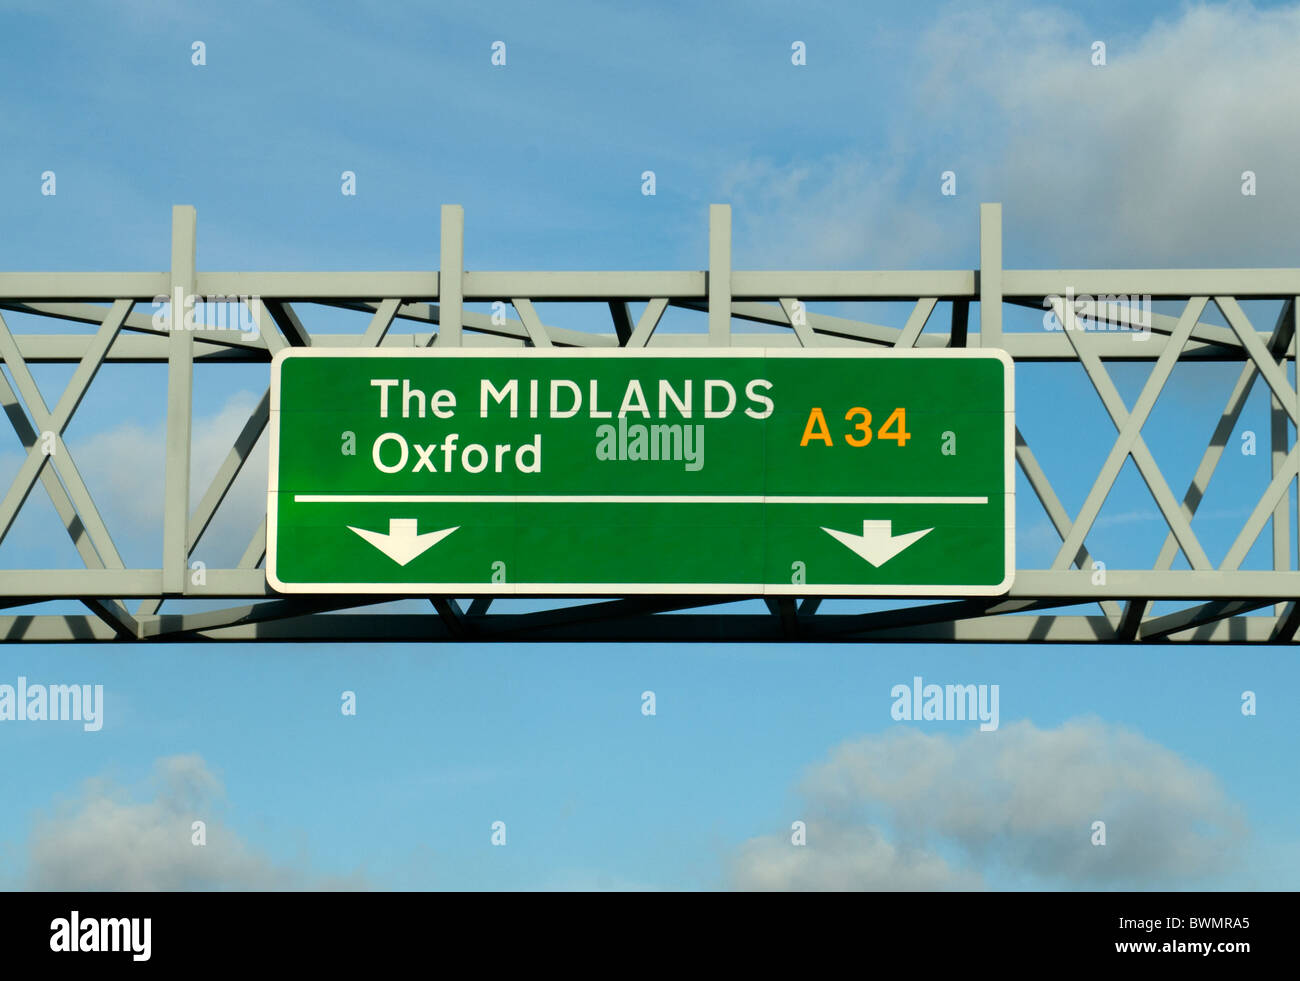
{"x":835,"y":164}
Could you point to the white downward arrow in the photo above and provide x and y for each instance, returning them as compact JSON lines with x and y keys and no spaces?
{"x":876,"y":544}
{"x":402,"y":544}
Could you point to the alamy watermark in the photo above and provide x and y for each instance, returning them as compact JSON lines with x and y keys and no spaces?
{"x":945,"y":703}
{"x":104,"y":934}
{"x":1119,"y":311}
{"x":214,"y":312}
{"x":53,"y":703}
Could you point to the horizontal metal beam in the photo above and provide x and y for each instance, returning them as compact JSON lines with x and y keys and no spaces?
{"x":605,"y":285}
{"x":852,"y":285}
{"x":1030,"y":584}
{"x":84,"y":285}
{"x":232,"y":346}
{"x":1159,"y":284}
{"x":38,"y":584}
{"x":154,"y":627}
{"x":597,"y":285}
{"x":712,"y":628}
{"x":1160,"y":627}
{"x":1124,"y":584}
{"x":290,"y":286}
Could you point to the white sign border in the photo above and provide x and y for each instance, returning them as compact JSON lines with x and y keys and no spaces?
{"x":580,"y":590}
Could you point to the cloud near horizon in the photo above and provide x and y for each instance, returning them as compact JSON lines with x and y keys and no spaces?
{"x":908,"y":810}
{"x":104,"y":840}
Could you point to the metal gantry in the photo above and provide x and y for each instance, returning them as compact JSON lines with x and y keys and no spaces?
{"x":1213,"y":600}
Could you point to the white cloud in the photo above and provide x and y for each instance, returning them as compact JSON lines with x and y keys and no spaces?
{"x":1137,"y":163}
{"x":910,"y":810}
{"x":844,"y":859}
{"x":1140,"y":159}
{"x":105,"y":841}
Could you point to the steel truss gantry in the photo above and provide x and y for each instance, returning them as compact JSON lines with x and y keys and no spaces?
{"x":1214,"y":599}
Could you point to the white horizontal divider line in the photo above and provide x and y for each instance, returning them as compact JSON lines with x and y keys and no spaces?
{"x":615,"y":499}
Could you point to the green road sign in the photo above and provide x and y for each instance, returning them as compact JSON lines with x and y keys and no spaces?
{"x":740,"y":471}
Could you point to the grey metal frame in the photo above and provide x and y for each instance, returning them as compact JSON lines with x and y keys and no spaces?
{"x":1218,"y":597}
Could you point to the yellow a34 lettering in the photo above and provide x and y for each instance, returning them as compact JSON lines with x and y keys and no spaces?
{"x":895,"y":427}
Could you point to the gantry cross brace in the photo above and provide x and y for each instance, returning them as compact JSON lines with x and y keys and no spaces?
{"x":1215,"y":598}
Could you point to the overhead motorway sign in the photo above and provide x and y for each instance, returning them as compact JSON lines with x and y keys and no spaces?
{"x":727,"y":471}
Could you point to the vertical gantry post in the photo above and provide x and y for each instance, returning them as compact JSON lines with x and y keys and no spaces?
{"x":990,"y":275}
{"x":1279,"y":425}
{"x":1280,"y":438}
{"x":451,"y":276}
{"x":180,"y":394}
{"x":720,"y":275}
